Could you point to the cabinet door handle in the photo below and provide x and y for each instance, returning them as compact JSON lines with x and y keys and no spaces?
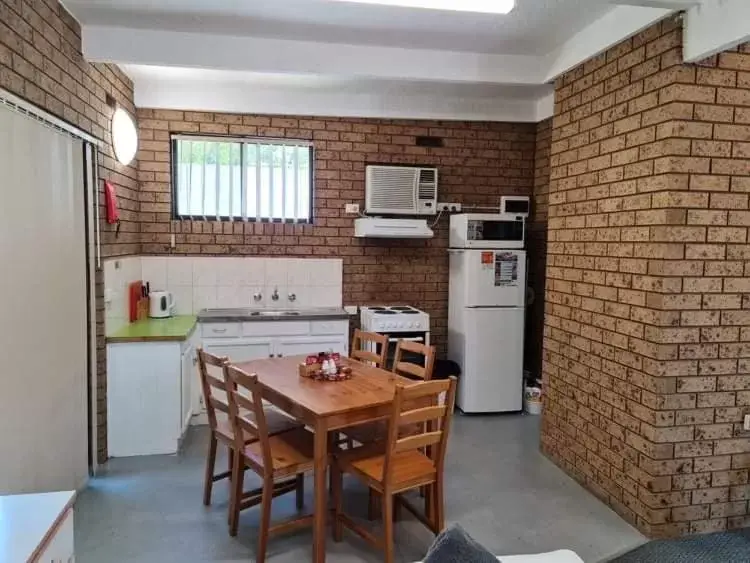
{"x":220,"y":330}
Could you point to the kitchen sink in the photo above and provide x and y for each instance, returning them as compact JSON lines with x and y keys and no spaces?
{"x":240,"y":312}
{"x":275,"y":313}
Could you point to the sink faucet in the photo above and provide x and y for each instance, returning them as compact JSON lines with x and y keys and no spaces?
{"x":275,"y":294}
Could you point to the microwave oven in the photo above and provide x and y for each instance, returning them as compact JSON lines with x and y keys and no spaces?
{"x":487,"y":230}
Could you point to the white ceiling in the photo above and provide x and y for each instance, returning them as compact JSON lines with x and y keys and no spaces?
{"x":344,"y":58}
{"x":534,"y":27}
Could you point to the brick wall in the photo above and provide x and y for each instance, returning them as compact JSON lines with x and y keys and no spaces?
{"x":478,"y":163}
{"x":646,"y":339}
{"x":537,"y":249}
{"x":41,"y":61}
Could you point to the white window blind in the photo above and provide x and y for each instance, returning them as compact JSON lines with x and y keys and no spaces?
{"x":218,"y":178}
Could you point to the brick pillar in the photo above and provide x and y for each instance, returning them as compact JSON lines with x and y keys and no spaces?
{"x":647,"y":326}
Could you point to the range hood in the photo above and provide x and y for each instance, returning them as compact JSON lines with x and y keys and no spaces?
{"x":378,"y":227}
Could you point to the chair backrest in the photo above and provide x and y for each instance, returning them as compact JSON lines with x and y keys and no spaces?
{"x":246,"y":410}
{"x":417,"y":406}
{"x":213,"y":384}
{"x":365,"y":346}
{"x":411,"y":369}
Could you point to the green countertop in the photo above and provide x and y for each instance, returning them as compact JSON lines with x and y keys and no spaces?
{"x":154,"y":330}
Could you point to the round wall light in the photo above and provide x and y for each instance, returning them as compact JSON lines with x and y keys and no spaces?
{"x":124,"y":136}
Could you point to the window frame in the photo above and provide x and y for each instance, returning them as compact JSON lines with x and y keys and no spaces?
{"x":243,"y":140}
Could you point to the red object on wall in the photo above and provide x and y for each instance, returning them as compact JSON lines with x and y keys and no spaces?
{"x":110,"y":197}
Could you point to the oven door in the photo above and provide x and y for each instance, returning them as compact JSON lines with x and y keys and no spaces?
{"x":495,"y":231}
{"x":394,"y":337}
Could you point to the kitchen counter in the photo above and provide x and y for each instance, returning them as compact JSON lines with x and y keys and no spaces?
{"x":237,"y":315}
{"x":28,"y":523}
{"x":172,"y":329}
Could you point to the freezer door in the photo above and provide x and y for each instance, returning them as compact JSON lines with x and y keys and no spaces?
{"x":493,"y":278}
{"x":492,"y":378}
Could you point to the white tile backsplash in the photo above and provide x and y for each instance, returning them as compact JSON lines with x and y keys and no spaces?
{"x":201,"y":282}
{"x":154,"y":271}
{"x":179,"y":272}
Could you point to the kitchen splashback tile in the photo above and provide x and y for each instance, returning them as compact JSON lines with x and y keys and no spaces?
{"x":299,"y":272}
{"x":179,"y":272}
{"x":276,"y":272}
{"x":204,"y":272}
{"x":204,"y":297}
{"x":183,"y":296}
{"x":253,"y":272}
{"x":154,"y":271}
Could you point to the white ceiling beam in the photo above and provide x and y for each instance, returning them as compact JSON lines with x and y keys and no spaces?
{"x":198,"y":50}
{"x":664,"y":4}
{"x":204,"y":95}
{"x":715,"y":26}
{"x":615,"y":26}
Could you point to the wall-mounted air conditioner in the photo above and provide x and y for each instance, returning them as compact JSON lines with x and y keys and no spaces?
{"x":401,"y":190}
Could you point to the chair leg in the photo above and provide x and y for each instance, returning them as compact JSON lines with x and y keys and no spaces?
{"x":429,"y":504}
{"x":371,"y":504}
{"x":396,"y":508}
{"x":238,"y":482}
{"x":208,"y":482}
{"x":439,"y":508}
{"x":337,"y":480}
{"x":387,"y":500}
{"x":265,"y":518}
{"x":230,"y":462}
{"x":300,"y":491}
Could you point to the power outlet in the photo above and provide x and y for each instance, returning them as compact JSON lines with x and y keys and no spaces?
{"x":746,"y":423}
{"x":352,"y":208}
{"x":449,"y":207}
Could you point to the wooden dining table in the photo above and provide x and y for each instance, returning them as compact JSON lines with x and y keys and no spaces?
{"x":325,"y":406}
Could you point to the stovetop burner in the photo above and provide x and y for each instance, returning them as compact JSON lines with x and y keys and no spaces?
{"x":409,"y":312}
{"x":385,"y":312}
{"x":376,"y":308}
{"x":402,"y":309}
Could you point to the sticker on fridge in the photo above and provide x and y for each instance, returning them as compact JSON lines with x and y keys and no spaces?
{"x":488,"y":260}
{"x":506,"y":269}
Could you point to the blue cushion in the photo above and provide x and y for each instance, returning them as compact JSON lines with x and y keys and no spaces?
{"x":454,"y":545}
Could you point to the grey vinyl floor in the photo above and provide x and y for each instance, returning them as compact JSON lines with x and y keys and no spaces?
{"x":498,"y":486}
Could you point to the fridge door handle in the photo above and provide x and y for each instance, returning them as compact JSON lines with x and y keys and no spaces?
{"x":455,"y":251}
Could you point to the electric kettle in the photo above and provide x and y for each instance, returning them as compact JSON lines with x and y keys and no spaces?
{"x":161,"y":305}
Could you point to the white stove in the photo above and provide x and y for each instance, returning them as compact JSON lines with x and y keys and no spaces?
{"x":400,"y":319}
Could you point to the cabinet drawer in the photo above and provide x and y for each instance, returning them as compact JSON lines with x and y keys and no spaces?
{"x":277,"y":328}
{"x":221,"y":330}
{"x":330,"y":327}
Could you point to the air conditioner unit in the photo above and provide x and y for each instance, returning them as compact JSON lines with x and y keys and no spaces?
{"x":401,"y":190}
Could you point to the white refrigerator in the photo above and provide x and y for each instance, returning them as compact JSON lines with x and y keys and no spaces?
{"x":486,"y":316}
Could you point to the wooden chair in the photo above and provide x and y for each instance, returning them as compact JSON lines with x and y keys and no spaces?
{"x":364,"y":353}
{"x":287,"y":456}
{"x":412,"y":370}
{"x":408,"y":463}
{"x":215,"y":399}
{"x":376,"y":432}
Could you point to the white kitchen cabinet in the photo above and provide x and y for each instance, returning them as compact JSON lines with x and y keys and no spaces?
{"x":243,"y":341}
{"x":238,"y":350}
{"x":149,"y":396}
{"x":310,"y":345}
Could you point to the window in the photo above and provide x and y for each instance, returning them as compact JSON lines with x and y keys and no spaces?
{"x":222,"y":178}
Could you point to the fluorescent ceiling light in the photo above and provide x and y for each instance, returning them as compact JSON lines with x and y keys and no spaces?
{"x":482,"y":6}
